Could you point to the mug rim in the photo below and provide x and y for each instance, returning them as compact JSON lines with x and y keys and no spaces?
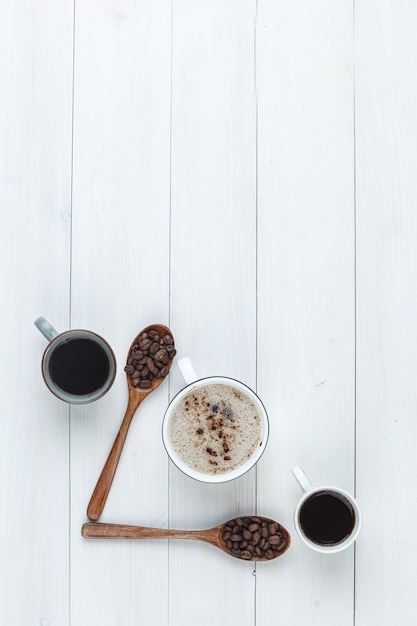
{"x":61,"y":394}
{"x":226,"y":476}
{"x":341,"y":545}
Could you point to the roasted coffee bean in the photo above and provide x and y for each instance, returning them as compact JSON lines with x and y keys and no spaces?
{"x":160,"y":355}
{"x":245,"y":554}
{"x":145,"y":344}
{"x":256,"y":537}
{"x":151,"y":366}
{"x":274,"y":540}
{"x":149,"y":358}
{"x":249,"y":537}
{"x":144,"y":371}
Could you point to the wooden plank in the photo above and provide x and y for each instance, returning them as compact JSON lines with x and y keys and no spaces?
{"x":306,"y":273}
{"x":35,"y":201}
{"x":386,"y":136}
{"x":213,"y":276}
{"x":120,"y":284}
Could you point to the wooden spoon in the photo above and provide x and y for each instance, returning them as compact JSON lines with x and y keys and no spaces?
{"x":136,"y":396}
{"x":217,"y":536}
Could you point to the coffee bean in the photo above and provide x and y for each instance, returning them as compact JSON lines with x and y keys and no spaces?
{"x":256,"y":537}
{"x":145,"y":344}
{"x":151,"y":366}
{"x":160,"y":355}
{"x":245,"y":554}
{"x":274,"y":540}
{"x":250,"y":537}
{"x":149,"y":357}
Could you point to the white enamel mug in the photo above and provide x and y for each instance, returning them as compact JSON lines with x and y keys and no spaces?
{"x":327,"y":518}
{"x":196,"y":385}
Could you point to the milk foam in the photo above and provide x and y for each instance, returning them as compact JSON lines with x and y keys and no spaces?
{"x":216,"y":428}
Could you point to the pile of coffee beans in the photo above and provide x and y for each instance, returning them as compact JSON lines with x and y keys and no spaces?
{"x":252,"y":538}
{"x":149,"y":358}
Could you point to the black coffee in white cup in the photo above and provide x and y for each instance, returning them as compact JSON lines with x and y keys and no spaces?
{"x":326,"y":518}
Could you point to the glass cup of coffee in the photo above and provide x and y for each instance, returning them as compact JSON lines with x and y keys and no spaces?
{"x":78,"y":366}
{"x":327,"y":518}
{"x":216,"y":428}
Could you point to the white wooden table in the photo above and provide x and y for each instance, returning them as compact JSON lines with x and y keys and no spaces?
{"x":243,"y":171}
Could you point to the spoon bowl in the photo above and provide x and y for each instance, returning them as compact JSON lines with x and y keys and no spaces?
{"x":260,"y":538}
{"x":135,"y":398}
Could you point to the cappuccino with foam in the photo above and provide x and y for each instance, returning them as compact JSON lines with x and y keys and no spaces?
{"x":216,"y":428}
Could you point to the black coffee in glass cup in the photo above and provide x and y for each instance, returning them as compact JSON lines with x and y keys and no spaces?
{"x":326,"y":518}
{"x":78,"y":366}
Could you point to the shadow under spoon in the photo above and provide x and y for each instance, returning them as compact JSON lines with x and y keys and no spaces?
{"x":136,"y":397}
{"x":271,"y":539}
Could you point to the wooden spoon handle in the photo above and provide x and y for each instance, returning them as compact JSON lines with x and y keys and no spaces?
{"x":102,"y":530}
{"x":102,"y":488}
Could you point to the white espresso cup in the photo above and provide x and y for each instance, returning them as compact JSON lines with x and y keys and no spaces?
{"x":327,"y":518}
{"x":216,"y":428}
{"x":78,"y":366}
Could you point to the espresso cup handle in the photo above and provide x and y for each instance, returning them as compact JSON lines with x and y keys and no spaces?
{"x":187,"y":370}
{"x":302,"y":479}
{"x":46,"y":329}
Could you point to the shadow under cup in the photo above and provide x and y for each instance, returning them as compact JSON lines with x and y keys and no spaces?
{"x":78,"y":366}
